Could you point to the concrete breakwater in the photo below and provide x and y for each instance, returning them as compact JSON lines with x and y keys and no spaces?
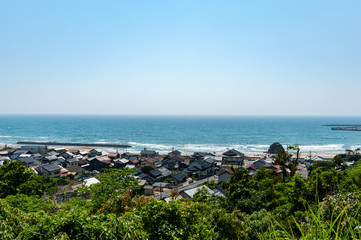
{"x":344,"y":127}
{"x":75,"y":144}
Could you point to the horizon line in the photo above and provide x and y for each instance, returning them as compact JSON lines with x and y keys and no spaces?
{"x":170,"y":115}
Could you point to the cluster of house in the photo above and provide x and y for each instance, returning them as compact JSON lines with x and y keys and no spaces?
{"x":155,"y":172}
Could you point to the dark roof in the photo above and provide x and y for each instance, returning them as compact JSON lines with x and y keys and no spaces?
{"x":179,"y":177}
{"x":232,"y":153}
{"x":147,"y":152}
{"x":198,"y":164}
{"x":259,"y":163}
{"x":51,"y":157}
{"x":51,"y":167}
{"x":72,"y":160}
{"x":137,"y":171}
{"x":155,"y":173}
{"x":210,"y":160}
{"x":225,"y":171}
{"x":201,"y":154}
{"x":175,"y":152}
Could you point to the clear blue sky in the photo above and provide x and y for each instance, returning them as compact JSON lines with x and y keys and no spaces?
{"x":180,"y":57}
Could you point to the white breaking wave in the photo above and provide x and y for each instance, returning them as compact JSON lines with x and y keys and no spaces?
{"x":220,"y":148}
{"x":323,"y":148}
{"x":23,"y":137}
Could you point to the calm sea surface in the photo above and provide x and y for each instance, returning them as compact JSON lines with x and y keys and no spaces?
{"x":187,"y":134}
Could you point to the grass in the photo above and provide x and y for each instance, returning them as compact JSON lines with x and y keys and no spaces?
{"x":341,"y":225}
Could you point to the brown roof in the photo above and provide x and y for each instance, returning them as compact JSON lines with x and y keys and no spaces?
{"x":134,"y":161}
{"x":113,"y":154}
{"x":251,"y":166}
{"x":103,"y":159}
{"x":150,"y":160}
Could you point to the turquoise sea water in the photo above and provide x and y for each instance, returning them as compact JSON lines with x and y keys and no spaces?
{"x":187,"y":134}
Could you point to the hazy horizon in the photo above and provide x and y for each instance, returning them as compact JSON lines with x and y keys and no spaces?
{"x":186,"y":58}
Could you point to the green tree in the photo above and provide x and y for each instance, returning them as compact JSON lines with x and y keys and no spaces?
{"x":283,"y":159}
{"x":15,"y":178}
{"x":113,"y":182}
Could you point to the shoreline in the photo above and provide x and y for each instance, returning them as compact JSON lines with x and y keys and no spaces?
{"x":326,"y":155}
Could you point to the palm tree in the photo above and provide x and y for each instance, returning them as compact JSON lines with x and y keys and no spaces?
{"x":283,"y":158}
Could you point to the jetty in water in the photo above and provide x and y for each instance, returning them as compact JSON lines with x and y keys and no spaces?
{"x":344,"y":127}
{"x":75,"y":144}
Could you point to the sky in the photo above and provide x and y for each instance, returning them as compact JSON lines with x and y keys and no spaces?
{"x":181,"y":57}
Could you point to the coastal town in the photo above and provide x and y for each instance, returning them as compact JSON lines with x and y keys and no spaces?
{"x":158,"y":174}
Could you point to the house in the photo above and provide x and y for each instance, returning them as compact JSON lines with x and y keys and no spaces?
{"x":224,"y":175}
{"x":120,"y":163}
{"x":160,"y":186}
{"x":104,"y":159}
{"x":201,"y":155}
{"x":259,"y":163}
{"x":113,"y":155}
{"x":148,"y":190}
{"x":155,"y":175}
{"x":175,"y":163}
{"x":51,"y":153}
{"x":151,"y":161}
{"x":30,"y":162}
{"x":95,"y":152}
{"x":51,"y":170}
{"x":200,"y":169}
{"x":35,"y":149}
{"x":4,"y":153}
{"x":148,"y":153}
{"x":252,"y":169}
{"x":190,"y":192}
{"x":311,"y":159}
{"x":72,"y":162}
{"x":134,"y":162}
{"x":210,"y":160}
{"x":95,"y":164}
{"x":17,"y":153}
{"x":74,"y":151}
{"x":67,"y":155}
{"x":179,"y":177}
{"x":174,"y":153}
{"x":232,"y":157}
{"x":126,"y":155}
{"x":49,"y":159}
{"x":165,"y":172}
{"x":90,"y":181}
{"x":60,"y":150}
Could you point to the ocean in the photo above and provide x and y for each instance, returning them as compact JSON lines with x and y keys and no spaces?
{"x":184,"y":133}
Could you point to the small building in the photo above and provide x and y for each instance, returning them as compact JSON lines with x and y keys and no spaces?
{"x":148,"y":190}
{"x":179,"y":177}
{"x":35,"y":149}
{"x":72,"y":162}
{"x":95,"y":152}
{"x":148,"y":153}
{"x":190,"y":193}
{"x":224,"y":175}
{"x":233,"y":157}
{"x":51,"y":170}
{"x":90,"y":181}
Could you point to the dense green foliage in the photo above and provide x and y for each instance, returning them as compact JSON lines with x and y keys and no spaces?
{"x":16,"y":179}
{"x":267,"y":205}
